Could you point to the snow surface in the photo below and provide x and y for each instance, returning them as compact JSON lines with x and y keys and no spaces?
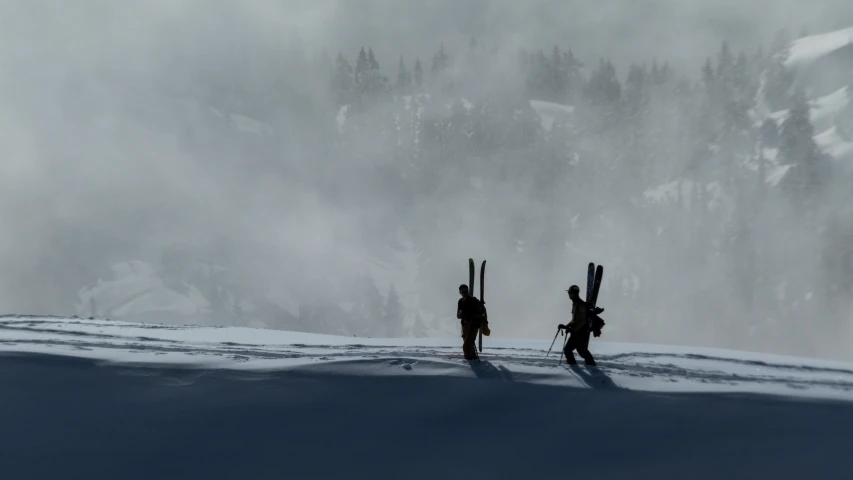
{"x":104,"y":399}
{"x":812,"y":47}
{"x":548,"y":112}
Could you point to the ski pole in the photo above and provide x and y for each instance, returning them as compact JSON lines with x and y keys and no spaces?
{"x":552,"y":341}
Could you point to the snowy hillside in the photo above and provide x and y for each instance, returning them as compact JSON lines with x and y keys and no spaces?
{"x":828,"y":112}
{"x":135,"y":292}
{"x":549,"y":112}
{"x":216,"y":401}
{"x":812,"y":47}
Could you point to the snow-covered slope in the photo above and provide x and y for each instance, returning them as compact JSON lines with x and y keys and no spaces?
{"x":823,"y":111}
{"x":829,"y":111}
{"x":102,"y":399}
{"x":812,"y":47}
{"x":135,"y":292}
{"x":548,"y":112}
{"x":834,"y":144}
{"x":683,"y":191}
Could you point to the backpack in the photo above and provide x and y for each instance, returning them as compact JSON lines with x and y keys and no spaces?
{"x":597,"y":322}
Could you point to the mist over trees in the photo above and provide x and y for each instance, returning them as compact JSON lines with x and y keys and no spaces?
{"x":724,"y":224}
{"x":719,"y":218}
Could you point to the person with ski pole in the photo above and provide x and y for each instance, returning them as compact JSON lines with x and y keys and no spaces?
{"x":471,"y":313}
{"x":578,"y":329}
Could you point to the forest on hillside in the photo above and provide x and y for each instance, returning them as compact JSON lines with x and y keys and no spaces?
{"x":725,"y":221}
{"x":719,"y":217}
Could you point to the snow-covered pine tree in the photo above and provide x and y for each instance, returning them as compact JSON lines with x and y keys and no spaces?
{"x":392,"y":314}
{"x":419,"y":328}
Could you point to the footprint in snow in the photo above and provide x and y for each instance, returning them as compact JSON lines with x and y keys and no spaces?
{"x":406,"y":364}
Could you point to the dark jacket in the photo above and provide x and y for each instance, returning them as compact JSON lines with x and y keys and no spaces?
{"x":470,"y":309}
{"x":580,"y":316}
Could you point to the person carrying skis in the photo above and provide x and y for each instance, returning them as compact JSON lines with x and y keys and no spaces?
{"x":471,"y":313}
{"x":578,"y":328}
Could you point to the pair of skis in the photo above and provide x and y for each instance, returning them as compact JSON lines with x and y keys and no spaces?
{"x":482,"y":296}
{"x":594,"y":322}
{"x":593,"y":284}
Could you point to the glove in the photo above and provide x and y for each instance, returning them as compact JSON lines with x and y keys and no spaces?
{"x":598,"y":310}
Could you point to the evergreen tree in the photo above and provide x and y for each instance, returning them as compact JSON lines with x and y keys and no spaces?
{"x":635,"y":91}
{"x":725,"y":65}
{"x":603,"y":88}
{"x":540,"y":78}
{"x":393,"y":314}
{"x":404,"y":78}
{"x":419,"y":329}
{"x":369,"y":82}
{"x":798,"y":149}
{"x":362,"y":79}
{"x":370,"y":309}
{"x":708,"y":74}
{"x":344,"y":82}
{"x":362,"y":66}
{"x":573,"y":77}
{"x":558,"y":76}
{"x":603,"y":95}
{"x":779,"y":80}
{"x":440,"y":62}
{"x":418,"y":75}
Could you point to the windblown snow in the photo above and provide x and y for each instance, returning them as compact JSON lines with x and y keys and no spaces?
{"x":87,"y":398}
{"x":810,"y":48}
{"x":823,"y":111}
{"x":548,"y":112}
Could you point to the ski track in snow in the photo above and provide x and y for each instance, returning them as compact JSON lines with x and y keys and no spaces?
{"x":619,"y":365}
{"x":100,"y":399}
